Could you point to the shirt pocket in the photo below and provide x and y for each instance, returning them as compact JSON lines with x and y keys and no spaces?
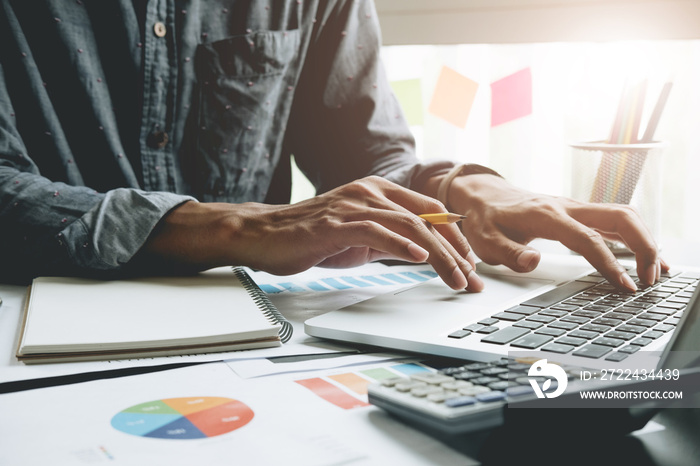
{"x":241,"y":81}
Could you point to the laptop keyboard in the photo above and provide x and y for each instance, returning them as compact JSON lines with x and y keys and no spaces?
{"x":589,"y":318}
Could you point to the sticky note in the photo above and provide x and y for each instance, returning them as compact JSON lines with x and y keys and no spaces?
{"x":511,"y":97}
{"x":408,"y":92}
{"x":453,"y":97}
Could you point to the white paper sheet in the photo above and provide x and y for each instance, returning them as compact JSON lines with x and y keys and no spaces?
{"x":290,"y":425}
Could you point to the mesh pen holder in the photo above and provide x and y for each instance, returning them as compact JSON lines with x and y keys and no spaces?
{"x":621,"y":174}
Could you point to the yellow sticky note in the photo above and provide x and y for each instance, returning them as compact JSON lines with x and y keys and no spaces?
{"x":453,"y":97}
{"x":408,"y":92}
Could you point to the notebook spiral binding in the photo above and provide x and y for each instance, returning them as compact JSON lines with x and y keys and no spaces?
{"x":264,"y":303}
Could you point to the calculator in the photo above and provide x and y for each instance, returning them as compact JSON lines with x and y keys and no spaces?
{"x":457,"y":399}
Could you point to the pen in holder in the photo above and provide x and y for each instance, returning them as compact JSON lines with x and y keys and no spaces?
{"x":621,"y":174}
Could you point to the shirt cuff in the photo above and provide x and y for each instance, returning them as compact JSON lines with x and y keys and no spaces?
{"x":112,"y":232}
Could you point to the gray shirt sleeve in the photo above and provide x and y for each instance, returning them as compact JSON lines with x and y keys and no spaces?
{"x":346,"y":123}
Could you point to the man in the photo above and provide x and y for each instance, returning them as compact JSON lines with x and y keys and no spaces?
{"x":155,"y":136}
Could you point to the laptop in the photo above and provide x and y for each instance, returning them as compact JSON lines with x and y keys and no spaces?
{"x":563,"y":308}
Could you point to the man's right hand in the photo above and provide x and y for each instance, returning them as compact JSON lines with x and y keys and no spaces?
{"x":363,"y":221}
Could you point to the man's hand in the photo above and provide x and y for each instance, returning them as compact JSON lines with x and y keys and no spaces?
{"x":362,"y":221}
{"x":502,"y":220}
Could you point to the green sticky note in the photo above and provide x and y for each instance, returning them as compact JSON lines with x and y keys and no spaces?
{"x":409,"y":94}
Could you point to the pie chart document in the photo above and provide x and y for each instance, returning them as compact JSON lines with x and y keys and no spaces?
{"x":208,"y":414}
{"x":194,"y":415}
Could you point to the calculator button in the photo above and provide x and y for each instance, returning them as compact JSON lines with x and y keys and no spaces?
{"x":421,"y":392}
{"x":408,"y":385}
{"x":432,"y":378}
{"x":491,"y":397}
{"x":519,"y":390}
{"x":473,"y":391}
{"x":391,"y":381}
{"x":460,"y":401}
{"x":456,"y":385}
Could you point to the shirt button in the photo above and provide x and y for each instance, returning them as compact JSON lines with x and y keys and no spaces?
{"x":157,"y":139}
{"x":159,"y":29}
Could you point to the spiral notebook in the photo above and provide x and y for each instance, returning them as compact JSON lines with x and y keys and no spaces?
{"x":74,"y":319}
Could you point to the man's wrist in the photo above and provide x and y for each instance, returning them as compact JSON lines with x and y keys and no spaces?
{"x":439,"y":186}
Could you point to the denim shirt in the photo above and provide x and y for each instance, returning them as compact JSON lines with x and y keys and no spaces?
{"x":112,"y":113}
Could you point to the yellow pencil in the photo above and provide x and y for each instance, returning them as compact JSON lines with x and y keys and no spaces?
{"x":441,"y":219}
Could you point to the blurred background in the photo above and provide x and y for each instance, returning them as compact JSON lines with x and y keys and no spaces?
{"x":512,"y":83}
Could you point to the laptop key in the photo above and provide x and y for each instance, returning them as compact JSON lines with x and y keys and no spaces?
{"x":487,"y":330}
{"x":584,"y":334}
{"x":565,"y":307}
{"x":608,"y":322}
{"x":575,"y":319}
{"x":459,"y":334}
{"x":589,"y":314}
{"x":641,"y":341}
{"x":664,"y":327}
{"x":641,"y":322}
{"x":629,"y":310}
{"x":555,"y":332}
{"x":528,"y":324}
{"x":509,"y":316}
{"x":532,"y":341}
{"x":653,"y":334}
{"x":631,"y":328}
{"x":597,"y":308}
{"x":558,"y":294}
{"x":621,"y":335}
{"x":592,"y":351}
{"x":505,"y":335}
{"x":612,"y":342}
{"x":651,"y":316}
{"x":473,"y":327}
{"x":564,"y":325}
{"x":557,"y":348}
{"x":525,"y":310}
{"x":617,"y":357}
{"x":572,"y":341}
{"x":553,"y":313}
{"x":595,"y":328}
{"x":617,"y":315}
{"x":629,"y":349}
{"x":543,"y":319}
{"x":489,"y":321}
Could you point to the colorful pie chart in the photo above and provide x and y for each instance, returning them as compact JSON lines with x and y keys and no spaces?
{"x":183,"y":418}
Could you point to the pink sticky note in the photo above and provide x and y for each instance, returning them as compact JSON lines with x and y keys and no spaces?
{"x":511,"y":97}
{"x":453,"y":97}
